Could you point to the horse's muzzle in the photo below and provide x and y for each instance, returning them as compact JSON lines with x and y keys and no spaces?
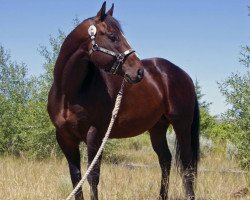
{"x":138,"y":78}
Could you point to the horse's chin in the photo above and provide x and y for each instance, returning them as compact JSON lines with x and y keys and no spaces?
{"x":132,"y":80}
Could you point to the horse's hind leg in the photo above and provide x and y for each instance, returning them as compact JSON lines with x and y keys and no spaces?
{"x":184,"y":153}
{"x":70,"y":148}
{"x":160,"y":146}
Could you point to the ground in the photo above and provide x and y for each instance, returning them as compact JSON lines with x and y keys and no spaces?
{"x":136,"y":176}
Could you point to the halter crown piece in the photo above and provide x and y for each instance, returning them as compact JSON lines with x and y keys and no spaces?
{"x":120,"y":57}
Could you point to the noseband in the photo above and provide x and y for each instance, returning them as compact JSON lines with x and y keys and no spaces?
{"x":120,"y":57}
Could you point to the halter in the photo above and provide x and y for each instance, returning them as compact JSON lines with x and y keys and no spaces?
{"x":120,"y":57}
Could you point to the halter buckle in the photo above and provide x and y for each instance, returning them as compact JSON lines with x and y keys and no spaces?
{"x":95,"y":47}
{"x":120,"y":57}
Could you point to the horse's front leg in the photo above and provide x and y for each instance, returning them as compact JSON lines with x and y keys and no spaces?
{"x":70,"y":148}
{"x":93,"y":143}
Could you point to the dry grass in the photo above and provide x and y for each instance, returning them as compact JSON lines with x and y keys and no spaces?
{"x":22,"y":179}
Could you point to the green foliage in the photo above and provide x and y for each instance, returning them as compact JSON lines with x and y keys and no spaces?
{"x":15,"y":92}
{"x":200,"y":95}
{"x":42,"y":135}
{"x":207,"y":121}
{"x":221,"y":131}
{"x":25,"y":127}
{"x":50,"y":55}
{"x":211,"y":127}
{"x":236,"y":89}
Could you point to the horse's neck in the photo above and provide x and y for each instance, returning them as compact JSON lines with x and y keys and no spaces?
{"x":74,"y":75}
{"x":70,"y":71}
{"x":73,"y":49}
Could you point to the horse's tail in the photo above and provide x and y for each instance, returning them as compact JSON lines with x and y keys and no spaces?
{"x":195,"y":136}
{"x":195,"y":140}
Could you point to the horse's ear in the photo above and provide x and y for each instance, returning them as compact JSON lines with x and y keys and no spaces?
{"x":101,"y":13}
{"x":110,"y":12}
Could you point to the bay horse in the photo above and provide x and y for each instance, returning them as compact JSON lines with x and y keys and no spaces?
{"x":157,"y":93}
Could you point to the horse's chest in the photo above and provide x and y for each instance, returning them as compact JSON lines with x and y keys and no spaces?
{"x":73,"y":120}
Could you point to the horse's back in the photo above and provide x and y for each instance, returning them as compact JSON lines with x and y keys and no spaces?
{"x":166,"y":68}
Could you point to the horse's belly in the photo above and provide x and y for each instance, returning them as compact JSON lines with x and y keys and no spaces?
{"x":129,"y":126}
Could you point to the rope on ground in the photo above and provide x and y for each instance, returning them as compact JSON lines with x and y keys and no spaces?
{"x":114,"y":115}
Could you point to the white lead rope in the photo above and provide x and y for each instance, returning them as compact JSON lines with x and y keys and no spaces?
{"x":114,"y":115}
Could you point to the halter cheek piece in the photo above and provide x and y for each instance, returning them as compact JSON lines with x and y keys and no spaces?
{"x":120,"y":57}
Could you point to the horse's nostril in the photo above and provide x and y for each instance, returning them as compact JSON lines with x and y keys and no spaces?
{"x":140,"y":73}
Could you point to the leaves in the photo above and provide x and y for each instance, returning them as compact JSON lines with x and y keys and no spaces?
{"x":236,"y":89}
{"x":25,"y":127}
{"x":207,"y":121}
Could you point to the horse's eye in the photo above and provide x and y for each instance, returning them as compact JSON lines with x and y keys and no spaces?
{"x":113,"y":37}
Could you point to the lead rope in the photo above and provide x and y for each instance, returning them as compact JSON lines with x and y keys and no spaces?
{"x":104,"y":140}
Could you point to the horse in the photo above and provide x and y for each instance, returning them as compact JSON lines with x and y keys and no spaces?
{"x":94,"y":60}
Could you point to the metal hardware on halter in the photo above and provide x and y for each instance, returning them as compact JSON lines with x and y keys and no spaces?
{"x":119,"y":60}
{"x":120,"y":57}
{"x":92,"y":31}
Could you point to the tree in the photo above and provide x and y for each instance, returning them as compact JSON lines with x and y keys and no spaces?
{"x":236,"y":89}
{"x":50,"y":55}
{"x":25,"y":127}
{"x":207,"y":121}
{"x":43,"y":140}
{"x":15,"y":92}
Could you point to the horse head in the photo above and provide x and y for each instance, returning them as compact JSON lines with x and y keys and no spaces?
{"x":108,"y":48}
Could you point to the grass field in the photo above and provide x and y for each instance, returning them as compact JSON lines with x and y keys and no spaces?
{"x":137,"y":177}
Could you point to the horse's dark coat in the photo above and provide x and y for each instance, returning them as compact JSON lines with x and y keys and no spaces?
{"x":82,"y":97}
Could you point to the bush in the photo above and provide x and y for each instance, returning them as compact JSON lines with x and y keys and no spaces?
{"x":236,"y":89}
